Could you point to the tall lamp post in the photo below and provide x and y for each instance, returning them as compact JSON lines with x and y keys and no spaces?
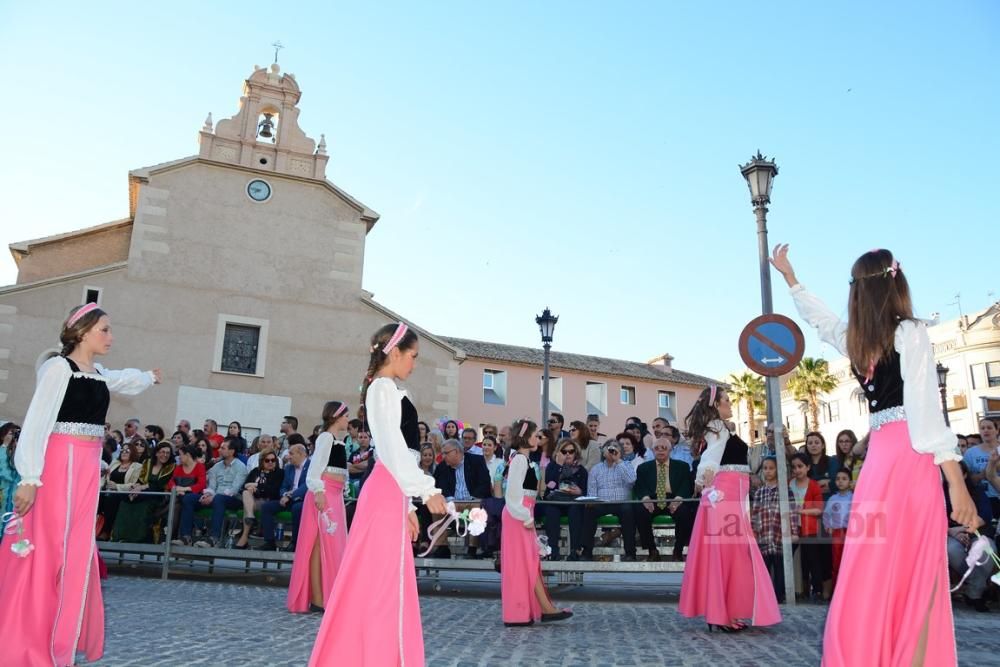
{"x":942,"y":373}
{"x":546,"y":325}
{"x":759,"y":173}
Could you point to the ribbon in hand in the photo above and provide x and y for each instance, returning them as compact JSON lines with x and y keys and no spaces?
{"x":979,"y":553}
{"x":15,"y":526}
{"x":467,"y":522}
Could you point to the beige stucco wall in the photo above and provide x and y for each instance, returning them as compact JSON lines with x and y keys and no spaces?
{"x":71,"y":255}
{"x":524,"y":399}
{"x":201,"y":247}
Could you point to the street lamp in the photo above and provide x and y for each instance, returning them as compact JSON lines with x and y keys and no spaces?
{"x":546,"y":325}
{"x":759,"y":173}
{"x":942,"y":373}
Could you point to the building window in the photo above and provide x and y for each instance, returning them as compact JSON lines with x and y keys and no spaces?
{"x":993,"y":374}
{"x":985,"y":375}
{"x":832,"y":410}
{"x":861,"y":402}
{"x":555,"y":393}
{"x":494,"y":387}
{"x":665,"y":405}
{"x":627,"y":395}
{"x":240,"y":345}
{"x":91,"y":295}
{"x":597,"y":398}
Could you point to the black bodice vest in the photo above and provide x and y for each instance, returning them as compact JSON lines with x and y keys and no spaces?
{"x":530,"y":479}
{"x":884,"y":389}
{"x":408,"y":424}
{"x":86,"y":400}
{"x":338,"y":456}
{"x":735,"y":452}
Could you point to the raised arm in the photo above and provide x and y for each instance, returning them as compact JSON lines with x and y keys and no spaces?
{"x":830,"y":327}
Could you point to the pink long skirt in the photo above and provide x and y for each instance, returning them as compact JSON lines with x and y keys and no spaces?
{"x":331,"y":546}
{"x":520,"y":568}
{"x":372,"y":618}
{"x":52,"y":605}
{"x":893,"y":579}
{"x":725,"y":579}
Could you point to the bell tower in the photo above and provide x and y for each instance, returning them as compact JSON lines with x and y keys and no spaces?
{"x":264,"y":134}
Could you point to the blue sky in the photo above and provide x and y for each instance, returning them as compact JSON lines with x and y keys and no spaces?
{"x":576,"y":155}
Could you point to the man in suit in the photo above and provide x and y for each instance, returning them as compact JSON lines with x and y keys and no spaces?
{"x":660,"y":482}
{"x":293,"y":493}
{"x":464,"y":479}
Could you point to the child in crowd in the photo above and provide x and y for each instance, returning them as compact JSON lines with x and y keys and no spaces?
{"x":809,"y":506}
{"x":765,"y":515}
{"x":836,"y":516}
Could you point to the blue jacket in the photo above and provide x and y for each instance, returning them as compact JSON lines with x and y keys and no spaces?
{"x":299,"y":492}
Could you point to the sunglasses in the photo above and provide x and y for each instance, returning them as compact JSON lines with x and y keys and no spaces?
{"x":270,"y":460}
{"x":568,"y":451}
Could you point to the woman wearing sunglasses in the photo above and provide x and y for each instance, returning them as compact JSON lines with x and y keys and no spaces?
{"x":261,"y":485}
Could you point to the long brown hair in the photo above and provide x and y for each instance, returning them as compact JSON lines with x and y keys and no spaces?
{"x":520,"y":440}
{"x":331,"y":408}
{"x":879,"y":299}
{"x":702,"y":414}
{"x":379,"y":358}
{"x":582,"y":434}
{"x":70,"y":336}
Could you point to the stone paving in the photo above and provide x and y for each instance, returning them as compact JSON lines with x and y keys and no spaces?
{"x":153,"y":623}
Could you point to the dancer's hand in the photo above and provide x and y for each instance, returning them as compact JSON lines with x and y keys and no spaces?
{"x":24,"y":498}
{"x":436,"y":504}
{"x":414,"y":526}
{"x":320,"y":499}
{"x":963,"y":510}
{"x":779,"y":259}
{"x":708,"y":477}
{"x":157,"y":376}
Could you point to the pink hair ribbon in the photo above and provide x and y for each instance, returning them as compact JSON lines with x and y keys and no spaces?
{"x":341,"y":410}
{"x":712,"y":389}
{"x":23,"y":547}
{"x":467,"y":522}
{"x":81,"y":311}
{"x":524,"y":429}
{"x":397,"y":336}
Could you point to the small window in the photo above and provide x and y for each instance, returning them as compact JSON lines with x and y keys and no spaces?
{"x":494,"y":387}
{"x":597,"y":398}
{"x":993,"y":373}
{"x":239,"y":349}
{"x":665,"y":405}
{"x":627,"y":395}
{"x":833,"y":411}
{"x":91,"y":295}
{"x":555,"y":392}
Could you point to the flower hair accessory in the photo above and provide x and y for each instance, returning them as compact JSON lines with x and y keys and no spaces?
{"x":467,"y":522}
{"x":890,"y":271}
{"x":81,"y":311}
{"x":397,"y":336}
{"x":23,"y":547}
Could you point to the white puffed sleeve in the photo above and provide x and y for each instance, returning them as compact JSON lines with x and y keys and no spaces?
{"x":321,"y":454}
{"x":715,"y":446}
{"x":384,"y":415}
{"x":50,"y":389}
{"x":831,"y":328}
{"x":921,"y":397}
{"x":128,"y":381}
{"x":514,"y":495}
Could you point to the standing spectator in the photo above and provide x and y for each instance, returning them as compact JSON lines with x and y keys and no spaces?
{"x":565,"y":481}
{"x":679,"y":449}
{"x":262,"y":484}
{"x":225,"y":483}
{"x":289,"y":427}
{"x":836,"y":518}
{"x":846,"y":458}
{"x":765,"y":516}
{"x":293,"y":493}
{"x":153,"y":435}
{"x":122,"y":474}
{"x":450,"y":430}
{"x":594,"y":426}
{"x":589,"y":453}
{"x":611,"y":481}
{"x":9,"y":478}
{"x":189,"y":477}
{"x":469,"y":442}
{"x":823,"y":468}
{"x":503,"y":439}
{"x":663,"y":480}
{"x":134,"y":514}
{"x":963,"y":443}
{"x":977,"y":458}
{"x":359,"y":461}
{"x":490,"y":430}
{"x":556,"y":421}
{"x":265,"y":445}
{"x":809,"y":507}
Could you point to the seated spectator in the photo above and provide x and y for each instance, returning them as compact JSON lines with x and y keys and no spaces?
{"x":358,"y":462}
{"x":262,"y":485}
{"x":611,"y":481}
{"x":122,"y":474}
{"x":642,"y":437}
{"x":809,"y":507}
{"x":154,"y":435}
{"x":836,"y":517}
{"x":189,"y":476}
{"x":469,"y":442}
{"x":141,"y":450}
{"x":565,"y":482}
{"x":179,"y":439}
{"x":765,"y":517}
{"x":494,"y":462}
{"x":589,"y":442}
{"x":464,"y":480}
{"x":265,"y":444}
{"x":135,"y":514}
{"x":680,"y":450}
{"x":211,"y":429}
{"x":629,"y":448}
{"x":293,"y":493}
{"x":427,"y":464}
{"x":424,"y":430}
{"x":225,"y":482}
{"x":545,"y":452}
{"x":351,"y":441}
{"x":959,"y":541}
{"x":663,"y":480}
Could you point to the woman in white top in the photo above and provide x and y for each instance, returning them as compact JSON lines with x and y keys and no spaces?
{"x":891,"y":605}
{"x":377,"y":582}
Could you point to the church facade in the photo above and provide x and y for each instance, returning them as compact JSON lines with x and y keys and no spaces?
{"x":238,"y":271}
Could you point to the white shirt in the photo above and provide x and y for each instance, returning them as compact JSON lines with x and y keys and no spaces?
{"x":321,"y":455}
{"x":716,"y":438}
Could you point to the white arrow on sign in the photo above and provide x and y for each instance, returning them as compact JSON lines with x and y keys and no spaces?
{"x":779,"y":360}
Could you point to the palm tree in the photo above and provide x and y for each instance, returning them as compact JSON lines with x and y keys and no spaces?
{"x":748,"y":388}
{"x":812,"y":378}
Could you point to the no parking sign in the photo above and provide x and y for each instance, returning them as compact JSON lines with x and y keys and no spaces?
{"x":771,"y":345}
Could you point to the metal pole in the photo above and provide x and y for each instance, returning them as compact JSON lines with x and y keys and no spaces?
{"x":545,"y":388}
{"x":944,"y":404}
{"x":774,"y":411}
{"x":167,"y":534}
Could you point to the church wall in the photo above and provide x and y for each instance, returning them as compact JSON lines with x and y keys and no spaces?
{"x":75,"y":254}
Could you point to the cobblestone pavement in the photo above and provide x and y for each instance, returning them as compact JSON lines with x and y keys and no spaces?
{"x":152,"y":623}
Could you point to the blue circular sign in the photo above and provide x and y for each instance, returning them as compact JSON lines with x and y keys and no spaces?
{"x":772,"y":345}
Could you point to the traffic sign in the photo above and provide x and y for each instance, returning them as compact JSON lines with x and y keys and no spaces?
{"x":772,"y":345}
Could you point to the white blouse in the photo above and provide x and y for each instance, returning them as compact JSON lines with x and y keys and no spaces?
{"x":716,"y":438}
{"x":921,"y":397}
{"x":514,"y":495}
{"x":321,"y":455}
{"x":384,"y":414}
{"x":50,"y":389}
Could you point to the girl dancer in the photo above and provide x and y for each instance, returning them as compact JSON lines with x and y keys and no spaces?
{"x":522,"y":588}
{"x":892,"y":605}
{"x":725,"y":579}
{"x":322,"y":535}
{"x":52,"y":598}
{"x":377,"y":584}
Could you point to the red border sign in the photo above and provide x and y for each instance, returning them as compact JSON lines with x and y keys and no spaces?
{"x":791,"y":357}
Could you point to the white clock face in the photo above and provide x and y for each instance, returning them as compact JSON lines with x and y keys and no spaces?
{"x":259,"y":190}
